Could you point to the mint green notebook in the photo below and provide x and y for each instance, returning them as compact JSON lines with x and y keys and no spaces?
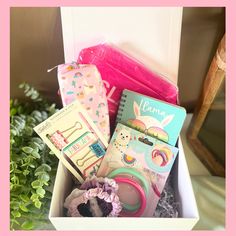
{"x":151,"y":116}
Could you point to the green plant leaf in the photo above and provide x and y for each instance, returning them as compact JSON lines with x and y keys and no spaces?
{"x":13,"y":111}
{"x":37,"y":140}
{"x":27,"y":149}
{"x":44,"y":115}
{"x":43,"y":167}
{"x":20,"y":110}
{"x":13,"y":132}
{"x":27,"y":225}
{"x":36,"y":114}
{"x":39,"y":173}
{"x":29,"y":201}
{"x":36,"y":184}
{"x":29,"y":92}
{"x":17,"y":171}
{"x":29,"y":131}
{"x":24,"y":198}
{"x":51,"y":153}
{"x":12,"y":141}
{"x":23,"y":208}
{"x":32,"y":166}
{"x":38,"y":204}
{"x":36,"y":154}
{"x":34,"y":197}
{"x":16,"y":214}
{"x":26,"y":172}
{"x":34,"y":95}
{"x":44,"y":177}
{"x":24,"y":86}
{"x":19,"y":120}
{"x":41,"y":192}
{"x":15,"y":179}
{"x":31,"y":120}
{"x":34,"y":145}
{"x":14,"y":221}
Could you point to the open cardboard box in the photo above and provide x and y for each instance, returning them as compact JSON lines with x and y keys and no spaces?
{"x":184,"y":194}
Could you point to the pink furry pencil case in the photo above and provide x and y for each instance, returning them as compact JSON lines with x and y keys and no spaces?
{"x":83,"y":82}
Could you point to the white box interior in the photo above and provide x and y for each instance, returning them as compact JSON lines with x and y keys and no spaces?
{"x":184,"y":194}
{"x":158,"y":48}
{"x":155,"y":37}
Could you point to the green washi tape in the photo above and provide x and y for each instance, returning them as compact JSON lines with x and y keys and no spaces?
{"x":133,"y":172}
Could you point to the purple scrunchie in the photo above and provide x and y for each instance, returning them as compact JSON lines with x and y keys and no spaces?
{"x":96,"y":197}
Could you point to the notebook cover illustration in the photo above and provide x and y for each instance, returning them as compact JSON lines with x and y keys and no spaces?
{"x":153,"y":117}
{"x":75,"y":140}
{"x":133,"y":149}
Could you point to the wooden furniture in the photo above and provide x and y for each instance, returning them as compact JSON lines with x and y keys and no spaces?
{"x":206,"y":133}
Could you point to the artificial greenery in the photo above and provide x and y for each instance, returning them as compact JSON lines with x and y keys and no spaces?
{"x":32,"y":166}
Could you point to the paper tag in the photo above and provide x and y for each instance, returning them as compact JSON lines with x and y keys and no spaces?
{"x":98,"y":149}
{"x":80,"y":143}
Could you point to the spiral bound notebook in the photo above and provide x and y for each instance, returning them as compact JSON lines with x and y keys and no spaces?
{"x":151,"y":116}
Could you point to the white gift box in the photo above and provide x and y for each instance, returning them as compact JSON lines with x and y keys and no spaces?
{"x":183,"y":193}
{"x":160,"y":30}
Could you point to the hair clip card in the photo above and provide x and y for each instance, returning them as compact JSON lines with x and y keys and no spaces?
{"x":74,"y":139}
{"x":151,"y":157}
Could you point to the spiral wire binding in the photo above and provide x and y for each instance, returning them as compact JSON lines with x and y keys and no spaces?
{"x":121,"y":107}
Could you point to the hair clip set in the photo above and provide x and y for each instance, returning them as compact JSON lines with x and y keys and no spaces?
{"x":59,"y":139}
{"x":83,"y":153}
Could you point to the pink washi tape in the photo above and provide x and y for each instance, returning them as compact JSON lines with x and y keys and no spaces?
{"x":142,"y":195}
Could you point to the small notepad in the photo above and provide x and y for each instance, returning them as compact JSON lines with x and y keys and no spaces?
{"x":151,"y":116}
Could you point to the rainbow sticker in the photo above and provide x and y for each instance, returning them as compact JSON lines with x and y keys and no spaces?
{"x":128,"y":159}
{"x":162,"y":156}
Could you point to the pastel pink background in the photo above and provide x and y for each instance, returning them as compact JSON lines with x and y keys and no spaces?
{"x":230,"y":107}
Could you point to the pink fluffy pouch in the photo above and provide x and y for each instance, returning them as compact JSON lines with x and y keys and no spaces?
{"x":121,"y":71}
{"x":83,"y":82}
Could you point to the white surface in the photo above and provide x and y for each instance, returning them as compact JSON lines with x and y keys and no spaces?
{"x":151,"y":34}
{"x":184,"y":193}
{"x":210,"y":196}
{"x":195,"y":166}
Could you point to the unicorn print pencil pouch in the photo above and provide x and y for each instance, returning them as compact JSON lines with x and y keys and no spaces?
{"x":84,"y":83}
